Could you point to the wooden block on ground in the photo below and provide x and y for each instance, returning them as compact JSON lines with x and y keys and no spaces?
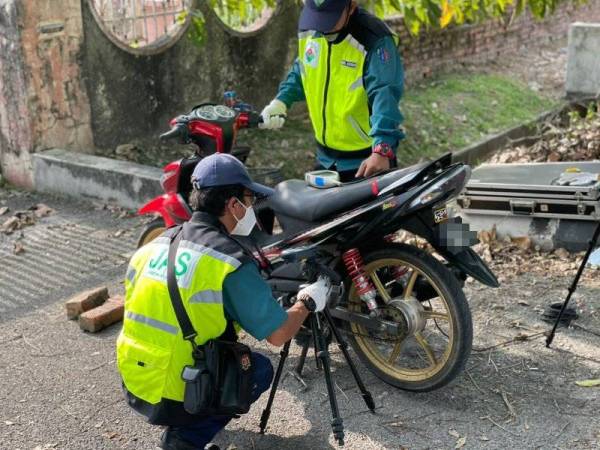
{"x":104,"y":315}
{"x":84,"y":301}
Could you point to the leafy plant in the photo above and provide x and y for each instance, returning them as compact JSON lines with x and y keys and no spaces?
{"x":418,"y":15}
{"x":239,"y":14}
{"x":436,"y":14}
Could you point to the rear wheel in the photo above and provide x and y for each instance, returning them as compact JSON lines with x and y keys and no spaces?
{"x":439,"y":331}
{"x":151,"y":231}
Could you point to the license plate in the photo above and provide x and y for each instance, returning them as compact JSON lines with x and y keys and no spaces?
{"x":440,"y":215}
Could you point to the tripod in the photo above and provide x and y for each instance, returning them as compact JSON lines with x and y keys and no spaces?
{"x":322,"y":355}
{"x":591,"y":245}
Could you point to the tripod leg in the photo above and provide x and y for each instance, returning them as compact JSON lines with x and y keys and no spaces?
{"x":337,"y":424}
{"x":591,"y":246}
{"x":300,"y":365}
{"x":343,"y":345}
{"x":314,"y":336}
{"x":264,"y":418}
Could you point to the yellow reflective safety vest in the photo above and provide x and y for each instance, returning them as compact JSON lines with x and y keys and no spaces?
{"x":151,"y":351}
{"x":332,"y":79}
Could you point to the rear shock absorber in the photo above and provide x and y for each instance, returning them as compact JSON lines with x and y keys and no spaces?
{"x":363,"y":284}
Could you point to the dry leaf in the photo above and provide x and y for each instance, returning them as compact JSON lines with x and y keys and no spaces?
{"x":523,"y":242}
{"x":10,"y":225}
{"x":18,"y":248}
{"x":3,"y":210}
{"x":41,"y":210}
{"x":588,"y":383}
{"x":453,"y":433}
{"x":561,"y":253}
{"x":461,"y":442}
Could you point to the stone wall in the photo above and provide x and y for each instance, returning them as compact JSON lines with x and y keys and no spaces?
{"x":43,"y":102}
{"x":15,"y":119}
{"x":446,"y":49}
{"x":132,"y":97}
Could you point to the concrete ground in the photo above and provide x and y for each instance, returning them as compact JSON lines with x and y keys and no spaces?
{"x":60,"y":389}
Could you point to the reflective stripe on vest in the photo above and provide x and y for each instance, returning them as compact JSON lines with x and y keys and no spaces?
{"x":151,"y":351}
{"x":332,"y":78}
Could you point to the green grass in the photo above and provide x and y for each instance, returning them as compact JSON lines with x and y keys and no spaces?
{"x":455,"y":110}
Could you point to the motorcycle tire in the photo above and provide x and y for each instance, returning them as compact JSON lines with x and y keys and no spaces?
{"x":460,"y":325}
{"x":151,"y":231}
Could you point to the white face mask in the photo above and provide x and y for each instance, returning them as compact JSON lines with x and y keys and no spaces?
{"x":244,"y":225}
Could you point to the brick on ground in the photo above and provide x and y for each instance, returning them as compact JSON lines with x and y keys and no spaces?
{"x":85,"y":301}
{"x":104,"y":315}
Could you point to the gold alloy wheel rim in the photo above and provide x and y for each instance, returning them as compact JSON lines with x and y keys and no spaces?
{"x":152,"y":235}
{"x":387,"y":363}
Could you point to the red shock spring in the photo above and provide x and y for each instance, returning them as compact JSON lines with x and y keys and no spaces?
{"x":356,"y":269}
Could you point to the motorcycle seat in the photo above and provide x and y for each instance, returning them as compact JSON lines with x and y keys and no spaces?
{"x":294,"y":198}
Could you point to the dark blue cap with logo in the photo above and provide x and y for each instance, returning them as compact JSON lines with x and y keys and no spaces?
{"x":321,"y":15}
{"x":222,"y":169}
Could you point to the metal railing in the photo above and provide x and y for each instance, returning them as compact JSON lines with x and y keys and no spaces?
{"x":142,"y":23}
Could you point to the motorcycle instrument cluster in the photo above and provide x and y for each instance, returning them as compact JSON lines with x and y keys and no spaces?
{"x":213,"y":113}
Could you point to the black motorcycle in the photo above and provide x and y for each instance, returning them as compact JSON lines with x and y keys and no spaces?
{"x":402,"y":307}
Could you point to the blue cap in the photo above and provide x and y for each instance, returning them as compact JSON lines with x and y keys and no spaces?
{"x":222,"y":169}
{"x":321,"y":15}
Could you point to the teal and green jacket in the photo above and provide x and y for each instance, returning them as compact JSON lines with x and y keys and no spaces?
{"x":352,"y":87}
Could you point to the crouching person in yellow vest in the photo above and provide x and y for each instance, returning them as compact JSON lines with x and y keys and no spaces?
{"x":219,"y":284}
{"x":350,"y":74}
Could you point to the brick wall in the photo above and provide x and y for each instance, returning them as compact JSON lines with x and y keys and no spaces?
{"x":433,"y":51}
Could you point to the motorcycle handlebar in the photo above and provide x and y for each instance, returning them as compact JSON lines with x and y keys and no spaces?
{"x":252,"y":120}
{"x":172,"y":133}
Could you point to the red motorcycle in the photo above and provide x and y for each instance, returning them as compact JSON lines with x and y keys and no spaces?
{"x":212,"y":128}
{"x":403,"y":309}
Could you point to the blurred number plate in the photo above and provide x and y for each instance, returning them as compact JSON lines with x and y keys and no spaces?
{"x":440,"y":215}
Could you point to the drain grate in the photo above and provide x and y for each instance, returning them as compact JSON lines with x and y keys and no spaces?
{"x":59,"y":258}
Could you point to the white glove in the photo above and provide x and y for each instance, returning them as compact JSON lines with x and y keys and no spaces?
{"x":319,"y":291}
{"x":273,"y":115}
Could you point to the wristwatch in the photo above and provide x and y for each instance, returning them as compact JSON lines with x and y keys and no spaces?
{"x":309,"y":303}
{"x":384,"y":150}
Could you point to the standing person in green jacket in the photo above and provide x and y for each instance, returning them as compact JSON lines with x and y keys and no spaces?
{"x":350,"y":74}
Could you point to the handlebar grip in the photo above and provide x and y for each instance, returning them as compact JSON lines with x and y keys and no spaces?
{"x":172,"y":133}
{"x":254,"y":119}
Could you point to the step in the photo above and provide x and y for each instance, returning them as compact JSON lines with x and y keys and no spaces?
{"x":123,"y":183}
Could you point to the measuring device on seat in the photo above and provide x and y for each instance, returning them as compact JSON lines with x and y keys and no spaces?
{"x":322,"y":179}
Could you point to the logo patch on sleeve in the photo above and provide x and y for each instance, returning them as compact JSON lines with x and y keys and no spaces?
{"x":384,"y":55}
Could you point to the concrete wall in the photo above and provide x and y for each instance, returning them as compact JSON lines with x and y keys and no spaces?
{"x":15,"y":119}
{"x":43,"y":102}
{"x":132,"y":97}
{"x":583,"y":65}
